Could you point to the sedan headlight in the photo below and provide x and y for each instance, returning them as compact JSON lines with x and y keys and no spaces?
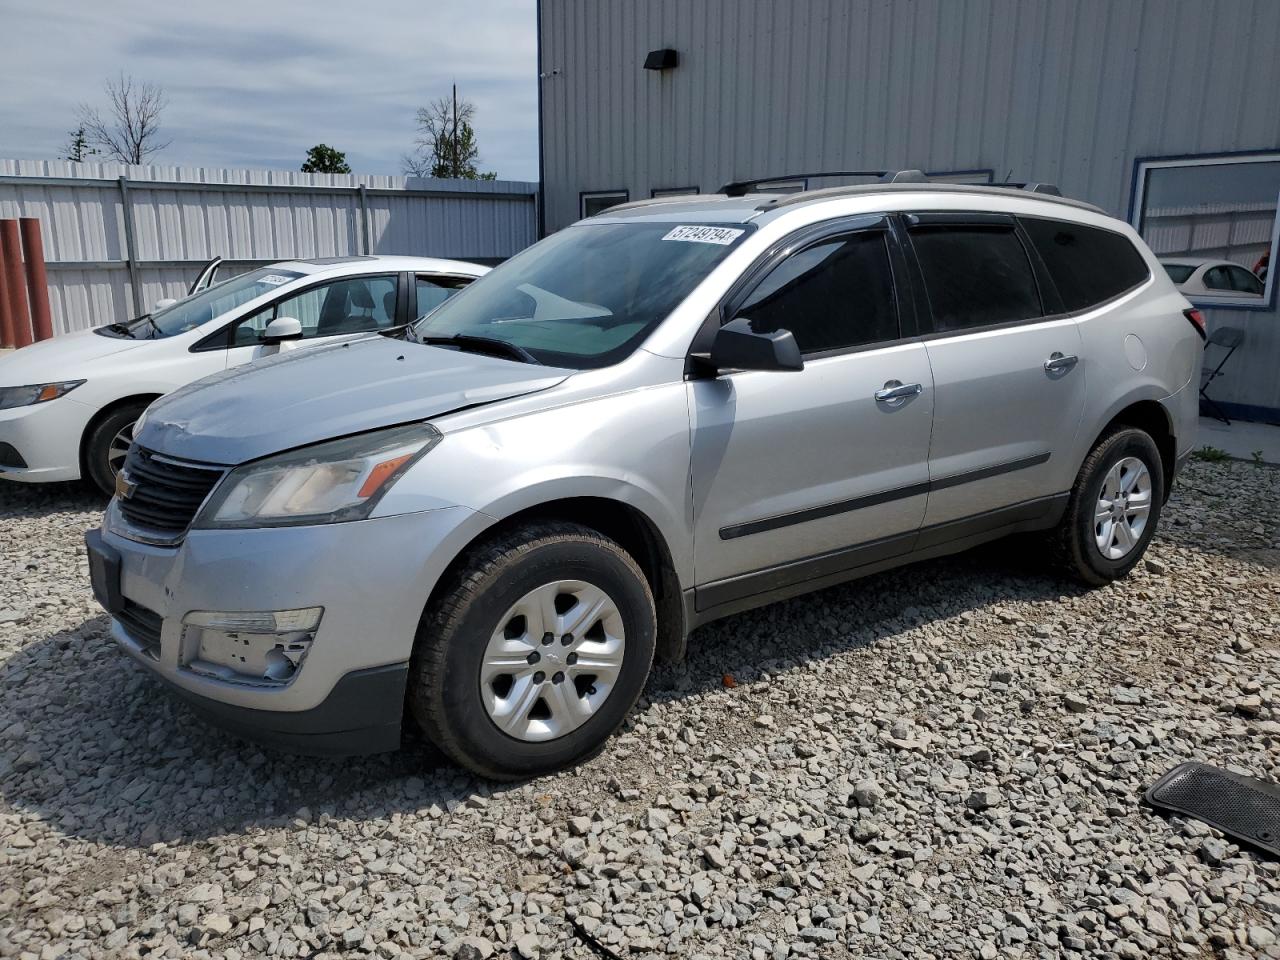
{"x":325,"y":483}
{"x":35,"y":393}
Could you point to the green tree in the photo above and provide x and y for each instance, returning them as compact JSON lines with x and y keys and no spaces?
{"x":446,"y":143}
{"x":78,"y":148}
{"x":323,"y":158}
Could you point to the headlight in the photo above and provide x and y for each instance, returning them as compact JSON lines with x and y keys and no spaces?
{"x":325,"y":483}
{"x":35,"y":393}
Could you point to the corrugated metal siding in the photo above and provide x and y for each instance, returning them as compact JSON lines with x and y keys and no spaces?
{"x":486,"y":220}
{"x":1069,"y":91}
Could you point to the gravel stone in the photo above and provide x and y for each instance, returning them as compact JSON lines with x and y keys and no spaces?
{"x":949,"y":765}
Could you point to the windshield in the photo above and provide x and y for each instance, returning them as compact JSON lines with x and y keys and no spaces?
{"x":200,"y":308}
{"x":586,"y":296}
{"x":1178,"y":272}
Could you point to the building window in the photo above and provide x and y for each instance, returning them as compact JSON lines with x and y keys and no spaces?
{"x":1212,"y":222}
{"x":600,"y":200}
{"x":673,"y":192}
{"x":980,"y":177}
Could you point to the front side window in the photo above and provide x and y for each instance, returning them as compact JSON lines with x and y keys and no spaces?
{"x":212,"y":302}
{"x":1088,"y":265}
{"x":1222,"y":209}
{"x":586,"y":296}
{"x":347,"y":306}
{"x":1243,"y":281}
{"x":975,"y":276}
{"x":835,"y":294}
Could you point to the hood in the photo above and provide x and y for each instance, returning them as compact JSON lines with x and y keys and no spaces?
{"x":67,"y":357}
{"x":305,"y":396}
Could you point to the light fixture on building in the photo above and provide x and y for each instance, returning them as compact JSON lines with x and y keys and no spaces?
{"x":661,"y":60}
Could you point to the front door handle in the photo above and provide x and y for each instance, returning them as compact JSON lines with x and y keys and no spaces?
{"x":895,"y":392}
{"x":1057,"y":363}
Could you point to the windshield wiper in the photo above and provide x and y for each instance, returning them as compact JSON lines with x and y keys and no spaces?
{"x":121,"y":328}
{"x":490,"y":345}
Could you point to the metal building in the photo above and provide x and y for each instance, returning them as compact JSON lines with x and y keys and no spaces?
{"x":1165,"y":113}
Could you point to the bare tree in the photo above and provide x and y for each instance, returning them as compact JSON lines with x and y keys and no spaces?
{"x":446,"y":142}
{"x":130,"y":130}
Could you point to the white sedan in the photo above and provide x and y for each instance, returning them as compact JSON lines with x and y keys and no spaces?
{"x":1197,"y":279}
{"x":68,"y":405}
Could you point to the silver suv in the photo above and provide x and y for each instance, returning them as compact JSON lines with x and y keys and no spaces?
{"x":492,"y":520}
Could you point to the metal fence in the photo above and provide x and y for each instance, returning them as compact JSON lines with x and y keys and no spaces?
{"x":117,"y":238}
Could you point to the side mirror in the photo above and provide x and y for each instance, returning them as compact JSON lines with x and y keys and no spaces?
{"x":164,"y":303}
{"x":738,"y":347}
{"x":281,"y":329}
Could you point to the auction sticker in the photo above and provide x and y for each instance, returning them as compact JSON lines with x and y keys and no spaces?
{"x":720,"y":235}
{"x":274,"y":279}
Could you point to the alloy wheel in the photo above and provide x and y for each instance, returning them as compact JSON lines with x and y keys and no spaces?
{"x":1124,"y":504}
{"x":119,"y":448}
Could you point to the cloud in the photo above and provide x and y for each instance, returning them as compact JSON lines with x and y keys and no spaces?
{"x":255,"y":84}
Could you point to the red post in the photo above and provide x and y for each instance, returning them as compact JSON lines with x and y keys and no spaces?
{"x":11,"y":251}
{"x":6,"y":322}
{"x":37,"y":281}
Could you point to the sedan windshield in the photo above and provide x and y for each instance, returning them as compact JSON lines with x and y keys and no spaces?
{"x":200,"y":308}
{"x":586,"y":296}
{"x":1179,"y":272}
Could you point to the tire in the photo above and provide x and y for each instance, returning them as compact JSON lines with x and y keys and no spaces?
{"x":100,"y":458}
{"x":1075,"y":541}
{"x":479,"y":714}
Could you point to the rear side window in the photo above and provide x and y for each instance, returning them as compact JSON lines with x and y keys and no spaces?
{"x":1088,"y":265}
{"x":975,"y":276}
{"x":837,"y":293}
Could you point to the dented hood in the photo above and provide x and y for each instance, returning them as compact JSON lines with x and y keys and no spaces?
{"x":308,"y":395}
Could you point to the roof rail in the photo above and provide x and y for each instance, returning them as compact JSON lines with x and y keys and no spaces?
{"x":739,"y":188}
{"x":1044,"y":191}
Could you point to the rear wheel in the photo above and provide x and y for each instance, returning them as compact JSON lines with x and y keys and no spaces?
{"x":1114,"y":508}
{"x":108,"y":444}
{"x":537,"y":650}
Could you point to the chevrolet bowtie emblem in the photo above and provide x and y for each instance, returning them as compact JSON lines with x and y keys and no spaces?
{"x":124,"y":486}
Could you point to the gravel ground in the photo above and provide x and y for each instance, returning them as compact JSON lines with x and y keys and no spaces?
{"x":941,"y":761}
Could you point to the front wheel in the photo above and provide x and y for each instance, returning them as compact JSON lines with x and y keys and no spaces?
{"x":1114,"y":508}
{"x":535,"y":653}
{"x":108,"y":443}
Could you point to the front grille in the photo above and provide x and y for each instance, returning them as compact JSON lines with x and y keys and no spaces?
{"x":143,"y":626}
{"x":164,"y":494}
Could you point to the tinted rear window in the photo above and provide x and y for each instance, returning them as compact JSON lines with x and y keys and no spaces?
{"x":1088,"y":265}
{"x":975,"y":276}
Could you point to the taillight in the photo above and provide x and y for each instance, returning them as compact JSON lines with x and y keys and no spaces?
{"x":1197,"y":321}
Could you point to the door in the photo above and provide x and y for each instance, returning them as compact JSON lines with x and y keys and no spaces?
{"x":1008,"y":381}
{"x":206,"y":277}
{"x":798,"y":475}
{"x":331,"y":311}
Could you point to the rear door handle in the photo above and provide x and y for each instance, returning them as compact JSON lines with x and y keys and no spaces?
{"x":1057,"y":362}
{"x":895,"y":392}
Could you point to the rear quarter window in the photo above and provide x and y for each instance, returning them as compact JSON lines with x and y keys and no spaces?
{"x":1088,"y":265}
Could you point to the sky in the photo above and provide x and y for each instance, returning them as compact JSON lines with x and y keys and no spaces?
{"x":254,"y":84}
